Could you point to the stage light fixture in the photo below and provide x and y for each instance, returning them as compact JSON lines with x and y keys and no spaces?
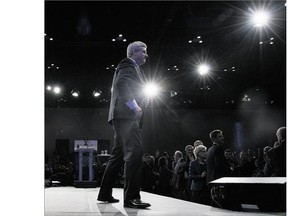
{"x":246,"y":98}
{"x":75,"y":93}
{"x":49,"y":88}
{"x":203,"y":69}
{"x":173,"y":93}
{"x":151,"y":90}
{"x":97,"y":93}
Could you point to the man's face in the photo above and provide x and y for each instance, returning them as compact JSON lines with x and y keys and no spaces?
{"x":219,"y":139}
{"x":140,"y":55}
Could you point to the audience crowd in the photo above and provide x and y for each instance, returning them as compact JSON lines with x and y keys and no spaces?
{"x":186,"y":175}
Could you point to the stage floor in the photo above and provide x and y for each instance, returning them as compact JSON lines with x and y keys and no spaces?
{"x":70,"y":201}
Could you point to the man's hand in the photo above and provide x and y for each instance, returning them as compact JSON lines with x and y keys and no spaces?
{"x":138,"y":112}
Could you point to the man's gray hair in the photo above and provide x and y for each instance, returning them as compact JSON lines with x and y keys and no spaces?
{"x":133,"y":47}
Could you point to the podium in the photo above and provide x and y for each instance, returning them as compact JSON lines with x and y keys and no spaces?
{"x":267,"y":193}
{"x":85,"y":150}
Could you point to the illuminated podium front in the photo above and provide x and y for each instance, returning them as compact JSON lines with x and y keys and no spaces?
{"x":85,"y":150}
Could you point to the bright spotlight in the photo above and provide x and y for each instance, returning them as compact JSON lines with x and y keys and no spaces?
{"x":49,"y":88}
{"x":203,"y":69}
{"x":57,"y":90}
{"x":151,"y":90}
{"x":260,"y":18}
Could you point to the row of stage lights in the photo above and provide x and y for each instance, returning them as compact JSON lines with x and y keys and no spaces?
{"x":74,"y":93}
{"x":150,"y":90}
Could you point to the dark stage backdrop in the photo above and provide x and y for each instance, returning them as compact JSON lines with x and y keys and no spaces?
{"x":168,"y":130}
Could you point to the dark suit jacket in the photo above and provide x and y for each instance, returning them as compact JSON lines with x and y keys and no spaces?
{"x":217,"y":165}
{"x":127,"y":85}
{"x":278,"y":159}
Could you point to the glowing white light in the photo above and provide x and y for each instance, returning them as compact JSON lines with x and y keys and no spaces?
{"x":51,"y":39}
{"x":124,"y":40}
{"x":57,"y":90}
{"x":113,"y":39}
{"x":190,"y":41}
{"x":260,"y":18}
{"x":97,"y":93}
{"x":75,"y":94}
{"x":199,"y":37}
{"x":203,"y":69}
{"x":200,"y":41}
{"x":151,"y":90}
{"x":120,"y":35}
{"x":49,"y":88}
{"x":271,"y":42}
{"x":272,"y":38}
{"x":261,"y":42}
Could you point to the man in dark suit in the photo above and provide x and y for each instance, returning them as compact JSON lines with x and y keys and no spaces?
{"x":126,"y":116}
{"x":217,"y":165}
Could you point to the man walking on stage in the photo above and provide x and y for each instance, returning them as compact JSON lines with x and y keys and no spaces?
{"x":126,"y":116}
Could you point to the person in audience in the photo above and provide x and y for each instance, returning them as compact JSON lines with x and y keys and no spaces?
{"x":179,"y":179}
{"x":149,"y":174}
{"x":170,"y":162}
{"x":267,"y":169}
{"x":189,"y":154}
{"x":157,"y":156}
{"x":258,"y":170}
{"x":278,"y":154}
{"x":178,"y":173}
{"x":233,"y":163}
{"x":165,"y":177}
{"x":217,"y":165}
{"x":197,"y":174}
{"x":244,"y":168}
{"x":177,"y":156}
{"x":260,"y":158}
{"x":198,"y":142}
{"x":188,"y":158}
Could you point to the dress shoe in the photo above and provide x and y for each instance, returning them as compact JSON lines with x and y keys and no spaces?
{"x":108,"y":200}
{"x":136,"y":203}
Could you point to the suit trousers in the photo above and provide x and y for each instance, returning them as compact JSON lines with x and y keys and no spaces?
{"x":127,"y":148}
